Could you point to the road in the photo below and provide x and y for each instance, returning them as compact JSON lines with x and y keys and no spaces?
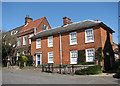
{"x":38,"y":77}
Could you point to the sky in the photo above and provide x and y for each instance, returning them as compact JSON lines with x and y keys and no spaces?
{"x":13,"y":13}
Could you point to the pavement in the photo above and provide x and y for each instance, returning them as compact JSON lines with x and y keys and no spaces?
{"x":10,"y":76}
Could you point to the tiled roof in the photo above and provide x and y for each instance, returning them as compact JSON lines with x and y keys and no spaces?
{"x":8,"y":33}
{"x":32,"y":24}
{"x":71,"y":27}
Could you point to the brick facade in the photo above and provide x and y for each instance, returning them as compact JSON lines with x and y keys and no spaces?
{"x":100,"y":38}
{"x":33,"y":27}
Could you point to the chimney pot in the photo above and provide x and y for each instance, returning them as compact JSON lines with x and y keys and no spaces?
{"x":28,"y":19}
{"x":66,"y":20}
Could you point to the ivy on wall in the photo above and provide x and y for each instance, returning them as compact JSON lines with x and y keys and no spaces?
{"x":81,"y":56}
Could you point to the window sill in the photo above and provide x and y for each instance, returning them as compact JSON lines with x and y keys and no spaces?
{"x":38,"y":48}
{"x":49,"y":46}
{"x":89,"y":42}
{"x":73,"y":44}
{"x":50,"y":62}
{"x":73,"y":63}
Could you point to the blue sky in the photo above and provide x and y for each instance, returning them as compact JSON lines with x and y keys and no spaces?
{"x":13,"y":13}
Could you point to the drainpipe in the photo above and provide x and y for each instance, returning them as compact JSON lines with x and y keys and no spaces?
{"x":60,"y":49}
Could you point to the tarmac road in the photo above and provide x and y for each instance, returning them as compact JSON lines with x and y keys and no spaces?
{"x":38,"y":77}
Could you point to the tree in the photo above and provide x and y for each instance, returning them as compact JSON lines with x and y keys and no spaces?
{"x":99,"y":55}
{"x":8,"y":48}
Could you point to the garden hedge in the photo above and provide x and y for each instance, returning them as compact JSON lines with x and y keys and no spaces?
{"x":90,"y":70}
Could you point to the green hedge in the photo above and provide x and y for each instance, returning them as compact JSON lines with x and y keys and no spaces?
{"x":90,"y":70}
{"x":117,"y":75}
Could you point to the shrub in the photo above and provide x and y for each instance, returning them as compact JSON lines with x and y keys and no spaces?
{"x":88,"y":63}
{"x":90,"y":70}
{"x":30,"y":60}
{"x":24,"y":58}
{"x":21,"y":60}
{"x":117,"y":63}
{"x":117,"y":75}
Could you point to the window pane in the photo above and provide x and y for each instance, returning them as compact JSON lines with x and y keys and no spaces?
{"x":50,"y":57}
{"x":50,"y":41}
{"x":73,"y":55}
{"x":38,"y":43}
{"x":90,"y":55}
{"x":73,"y":38}
{"x":89,"y":35}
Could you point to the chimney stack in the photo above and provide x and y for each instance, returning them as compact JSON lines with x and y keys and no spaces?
{"x":66,"y":20}
{"x":27,"y":19}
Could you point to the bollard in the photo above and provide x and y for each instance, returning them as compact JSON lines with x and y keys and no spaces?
{"x":52,"y":67}
{"x":42,"y":68}
{"x":60,"y":68}
{"x":72,"y":69}
{"x":45,"y":68}
{"x":49,"y":68}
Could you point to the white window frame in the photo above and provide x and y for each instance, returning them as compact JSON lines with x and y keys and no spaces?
{"x":86,"y":39}
{"x":24,"y":43}
{"x":46,"y":27}
{"x":37,"y":58}
{"x":71,"y":58}
{"x":75,"y":39}
{"x":15,"y":32}
{"x":49,"y":57}
{"x":24,"y":52}
{"x":38,"y":45}
{"x":30,"y":39}
{"x":50,"y":41}
{"x":19,"y":42}
{"x":92,"y":58}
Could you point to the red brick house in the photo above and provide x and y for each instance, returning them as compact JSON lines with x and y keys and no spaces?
{"x":60,"y":45}
{"x":30,"y":29}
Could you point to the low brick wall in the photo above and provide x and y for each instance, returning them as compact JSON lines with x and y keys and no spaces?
{"x":58,"y":69}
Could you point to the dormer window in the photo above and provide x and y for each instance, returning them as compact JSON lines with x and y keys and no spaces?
{"x":45,"y":27}
{"x":14,"y":32}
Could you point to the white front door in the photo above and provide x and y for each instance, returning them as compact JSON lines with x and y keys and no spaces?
{"x":38,"y":59}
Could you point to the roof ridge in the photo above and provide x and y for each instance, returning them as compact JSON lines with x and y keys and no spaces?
{"x":39,"y":19}
{"x":15,"y":28}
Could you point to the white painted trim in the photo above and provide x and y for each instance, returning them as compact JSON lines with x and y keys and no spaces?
{"x":37,"y":45}
{"x":49,"y":40}
{"x":70,"y":38}
{"x":24,"y":40}
{"x":30,"y":39}
{"x":48,"y":58}
{"x":71,"y":56}
{"x":86,"y":35}
{"x":87,"y":54}
{"x":40,"y":58}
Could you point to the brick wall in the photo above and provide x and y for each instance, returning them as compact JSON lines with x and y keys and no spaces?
{"x":100,"y":35}
{"x":31,"y":31}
